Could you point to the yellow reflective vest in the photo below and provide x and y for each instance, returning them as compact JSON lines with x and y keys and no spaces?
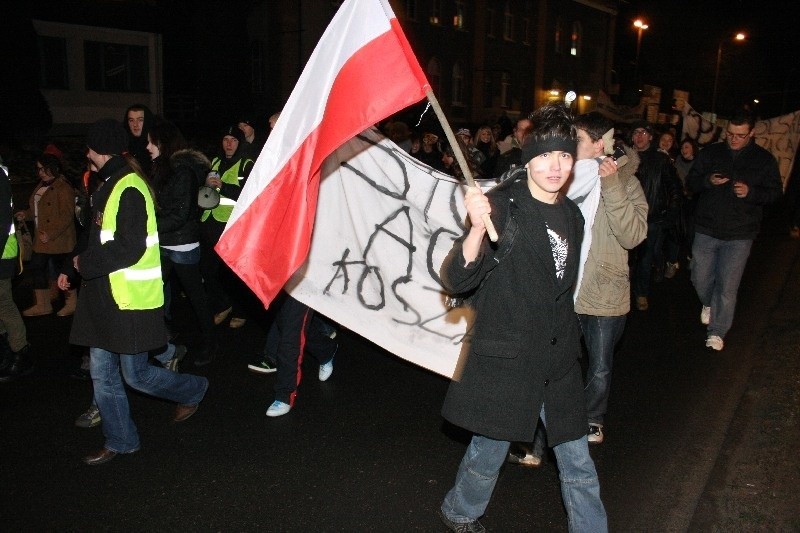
{"x":223,"y":211}
{"x":11,"y":249}
{"x":138,"y":286}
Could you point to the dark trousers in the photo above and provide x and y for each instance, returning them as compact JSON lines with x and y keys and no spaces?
{"x":44,"y":267}
{"x":646,"y":253}
{"x":294,"y":331}
{"x":216,"y":274}
{"x":191,"y":281}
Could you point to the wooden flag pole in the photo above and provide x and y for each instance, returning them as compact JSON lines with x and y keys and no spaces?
{"x":451,"y":138}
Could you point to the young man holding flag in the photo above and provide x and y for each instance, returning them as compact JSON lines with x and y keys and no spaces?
{"x":520,"y":360}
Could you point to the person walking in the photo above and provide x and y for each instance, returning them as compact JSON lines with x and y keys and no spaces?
{"x":521,"y":361}
{"x":603,"y":298}
{"x":734,"y":179}
{"x":52,"y":210}
{"x":177,"y":172}
{"x":119,"y":315}
{"x":15,"y":358}
{"x":662,"y":189}
{"x":229,"y":172}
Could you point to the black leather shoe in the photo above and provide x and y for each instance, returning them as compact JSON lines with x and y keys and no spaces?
{"x":103,"y":456}
{"x":182,"y":412}
{"x":21,"y":365}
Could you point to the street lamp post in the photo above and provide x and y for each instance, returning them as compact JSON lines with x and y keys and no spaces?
{"x":640,"y":26}
{"x":739,"y":37}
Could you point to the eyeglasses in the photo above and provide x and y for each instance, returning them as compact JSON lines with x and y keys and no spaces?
{"x":39,"y":168}
{"x":640,"y":132}
{"x":737,"y":136}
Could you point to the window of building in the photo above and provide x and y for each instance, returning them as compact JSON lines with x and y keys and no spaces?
{"x":53,"y":73}
{"x":526,"y":31}
{"x":436,"y":12}
{"x":257,"y":67}
{"x":458,"y":85}
{"x":116,"y":67}
{"x":508,"y":23}
{"x":505,"y":89}
{"x":458,"y":18}
{"x":434,"y":75}
{"x":488,"y":96}
{"x":491,"y":15}
{"x":411,"y":9}
{"x":557,"y":43}
{"x":575,"y":39}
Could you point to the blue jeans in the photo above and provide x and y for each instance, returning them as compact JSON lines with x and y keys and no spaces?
{"x":109,"y":392}
{"x":477,"y":476}
{"x":717,"y":268}
{"x":601,"y":334}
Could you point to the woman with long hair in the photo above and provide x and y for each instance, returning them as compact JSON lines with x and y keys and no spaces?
{"x":485,"y":142}
{"x":176,"y":174}
{"x":52,"y":210}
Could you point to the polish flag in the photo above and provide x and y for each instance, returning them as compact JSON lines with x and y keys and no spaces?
{"x":362,"y":71}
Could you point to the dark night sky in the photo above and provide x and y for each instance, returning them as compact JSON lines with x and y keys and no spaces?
{"x":679,"y":50}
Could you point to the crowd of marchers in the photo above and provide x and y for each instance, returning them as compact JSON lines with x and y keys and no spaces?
{"x":106,"y":247}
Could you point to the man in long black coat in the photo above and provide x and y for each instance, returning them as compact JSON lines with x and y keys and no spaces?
{"x":116,"y":316}
{"x":520,"y":360}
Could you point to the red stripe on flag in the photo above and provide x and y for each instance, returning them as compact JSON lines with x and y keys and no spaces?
{"x":271,"y":238}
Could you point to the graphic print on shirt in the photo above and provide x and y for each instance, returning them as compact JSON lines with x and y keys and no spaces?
{"x":559,"y":245}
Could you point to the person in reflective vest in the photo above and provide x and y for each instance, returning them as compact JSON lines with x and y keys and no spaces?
{"x":228,"y":175}
{"x":120,"y":314}
{"x":16,"y":359}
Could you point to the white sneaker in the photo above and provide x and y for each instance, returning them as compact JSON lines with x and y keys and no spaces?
{"x":705,"y":316}
{"x":326,"y":370}
{"x":278,"y":408}
{"x":714,"y":342}
{"x":527,"y":459}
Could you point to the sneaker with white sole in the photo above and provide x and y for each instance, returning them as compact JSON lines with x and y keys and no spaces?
{"x":524,"y":458}
{"x":265,"y":366}
{"x":90,"y":418}
{"x":705,"y":315}
{"x":177,"y":357}
{"x":596,"y":435}
{"x":278,"y":408}
{"x":714,"y":342}
{"x":326,"y":370}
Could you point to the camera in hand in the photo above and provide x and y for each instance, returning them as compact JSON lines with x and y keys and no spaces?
{"x":619,"y":156}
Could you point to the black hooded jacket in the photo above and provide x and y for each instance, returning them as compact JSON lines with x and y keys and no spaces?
{"x":178,"y":214}
{"x":137,"y":146}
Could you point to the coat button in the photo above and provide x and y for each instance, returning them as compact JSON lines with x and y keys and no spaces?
{"x":546,"y":382}
{"x":553,"y":341}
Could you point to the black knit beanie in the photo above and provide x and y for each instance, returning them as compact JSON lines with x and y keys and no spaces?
{"x":107,"y":137}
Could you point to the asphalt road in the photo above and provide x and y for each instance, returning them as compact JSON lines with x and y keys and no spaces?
{"x":367,"y":450}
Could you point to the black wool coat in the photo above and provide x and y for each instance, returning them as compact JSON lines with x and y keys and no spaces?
{"x":523,"y":348}
{"x":98,"y":322}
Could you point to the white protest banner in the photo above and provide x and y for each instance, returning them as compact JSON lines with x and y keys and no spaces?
{"x":384,"y":224}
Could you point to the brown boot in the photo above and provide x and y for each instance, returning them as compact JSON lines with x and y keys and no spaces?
{"x":42,"y":305}
{"x":55,"y":292}
{"x":70,"y":300}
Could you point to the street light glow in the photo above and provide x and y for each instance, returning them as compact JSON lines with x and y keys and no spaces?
{"x":738,"y":37}
{"x":640,"y":25}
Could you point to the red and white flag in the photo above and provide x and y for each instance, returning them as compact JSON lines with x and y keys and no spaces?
{"x":362,"y":71}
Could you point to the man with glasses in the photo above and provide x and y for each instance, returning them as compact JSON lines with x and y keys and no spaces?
{"x":662,"y":189}
{"x":734,"y":180}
